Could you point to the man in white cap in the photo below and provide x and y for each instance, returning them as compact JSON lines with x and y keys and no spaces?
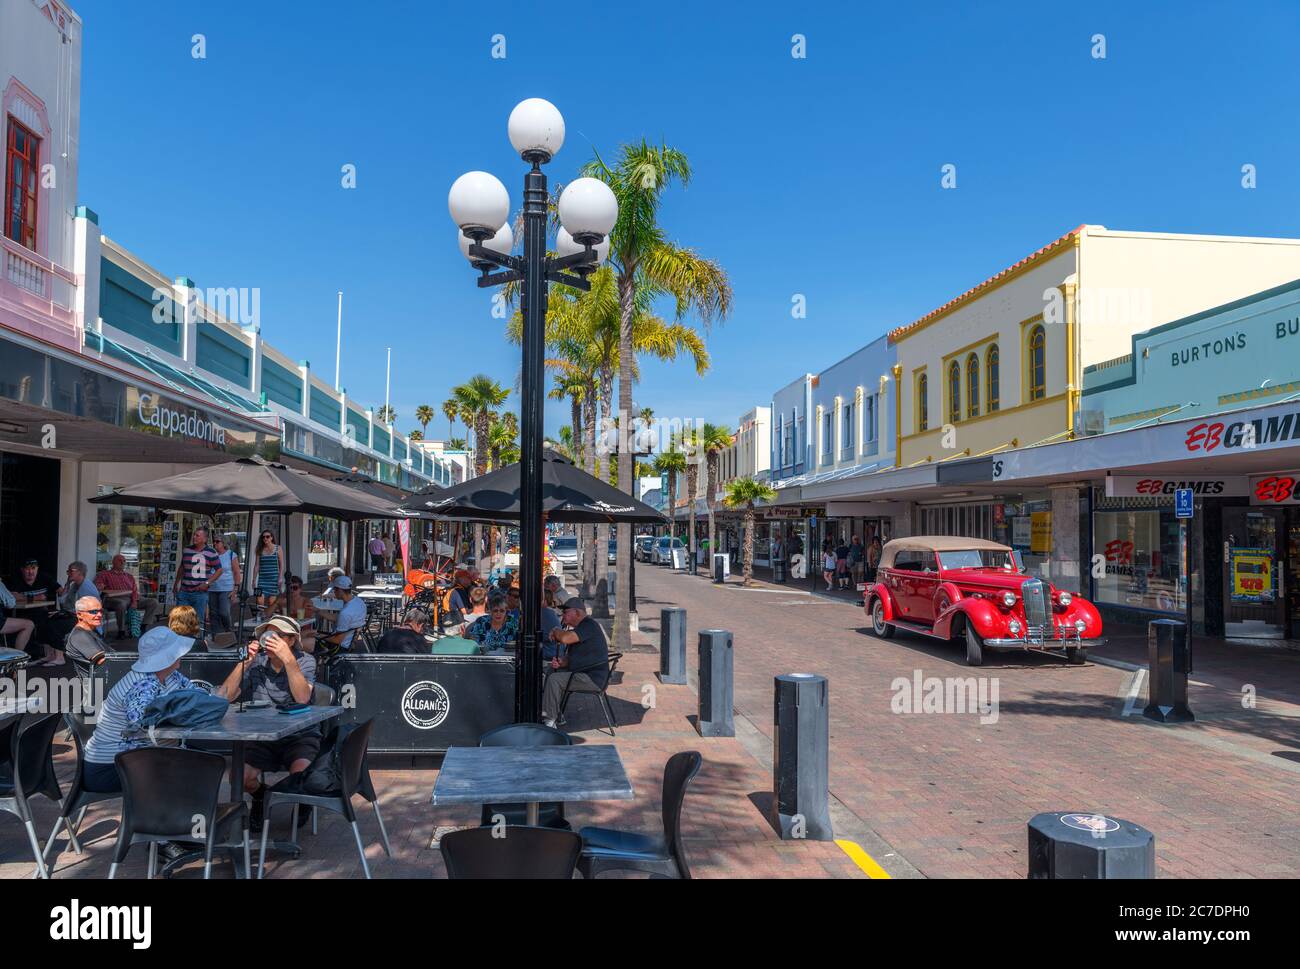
{"x":279,"y":672}
{"x":351,"y":617}
{"x":154,"y":674}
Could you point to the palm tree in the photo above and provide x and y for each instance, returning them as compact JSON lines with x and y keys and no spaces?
{"x":690,"y":441}
{"x":386,"y":414}
{"x":671,"y":463}
{"x":742,"y":493}
{"x":424,"y":414}
{"x":458,"y":444}
{"x":416,"y":435}
{"x":450,"y":410}
{"x":648,"y":265}
{"x":714,"y":439}
{"x":571,"y":385}
{"x":479,"y":397}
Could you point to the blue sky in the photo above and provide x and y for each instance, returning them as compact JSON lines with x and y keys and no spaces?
{"x":817,"y":176}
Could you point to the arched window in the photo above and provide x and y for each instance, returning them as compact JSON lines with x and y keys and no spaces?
{"x":973,"y":386}
{"x":1037,"y":358}
{"x":922,"y":403}
{"x":954,"y":392}
{"x":991,"y":369}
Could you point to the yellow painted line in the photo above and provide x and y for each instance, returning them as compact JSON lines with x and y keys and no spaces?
{"x":861,"y":858}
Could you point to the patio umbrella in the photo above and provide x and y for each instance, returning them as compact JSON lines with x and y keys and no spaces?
{"x":251,"y":485}
{"x":569,"y":495}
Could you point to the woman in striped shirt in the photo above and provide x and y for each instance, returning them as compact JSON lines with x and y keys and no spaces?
{"x":270,"y":571}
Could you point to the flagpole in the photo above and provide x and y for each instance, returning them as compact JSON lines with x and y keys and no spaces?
{"x":338,"y":342}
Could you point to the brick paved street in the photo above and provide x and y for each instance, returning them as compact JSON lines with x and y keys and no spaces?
{"x":953,"y":795}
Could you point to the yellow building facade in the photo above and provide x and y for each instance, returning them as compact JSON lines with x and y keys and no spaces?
{"x":1001,"y":365}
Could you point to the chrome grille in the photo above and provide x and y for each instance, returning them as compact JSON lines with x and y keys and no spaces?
{"x":1037,"y":614}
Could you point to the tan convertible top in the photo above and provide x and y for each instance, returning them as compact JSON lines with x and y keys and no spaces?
{"x":935,"y":543}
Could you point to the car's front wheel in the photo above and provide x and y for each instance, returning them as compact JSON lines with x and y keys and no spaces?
{"x":1076,"y":655}
{"x":974,"y":647}
{"x":883,"y":629}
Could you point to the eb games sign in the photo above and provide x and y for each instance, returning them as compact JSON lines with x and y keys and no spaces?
{"x":1215,"y":437}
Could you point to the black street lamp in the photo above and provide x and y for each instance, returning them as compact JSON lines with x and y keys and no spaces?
{"x":480,"y":206}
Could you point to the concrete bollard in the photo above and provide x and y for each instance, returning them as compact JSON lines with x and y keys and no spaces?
{"x":716,"y":692}
{"x":1076,"y":844}
{"x":672,"y":646}
{"x":801,"y":757}
{"x":1169,"y":652}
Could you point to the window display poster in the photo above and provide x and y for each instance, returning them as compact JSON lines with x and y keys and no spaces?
{"x":1041,"y":533}
{"x":1252,"y":575}
{"x":1021,"y":531}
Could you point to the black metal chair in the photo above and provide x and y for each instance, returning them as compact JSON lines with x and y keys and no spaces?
{"x":572,"y":687}
{"x":171,"y":794}
{"x":550,"y":813}
{"x":78,"y":798}
{"x":522,"y":853}
{"x":28,"y":770}
{"x":609,"y":849}
{"x":354,"y":780}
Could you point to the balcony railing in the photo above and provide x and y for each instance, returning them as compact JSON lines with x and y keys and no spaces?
{"x":38,"y":277}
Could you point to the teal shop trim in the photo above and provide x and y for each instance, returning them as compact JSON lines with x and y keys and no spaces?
{"x":325,"y":410}
{"x":220,"y":353}
{"x":87,"y":213}
{"x":281,"y":385}
{"x":186,"y":281}
{"x":126,"y":302}
{"x":359,"y":424}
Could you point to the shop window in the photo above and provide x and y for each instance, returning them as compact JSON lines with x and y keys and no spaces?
{"x":22,"y":169}
{"x":828,"y":436}
{"x":922,"y":403}
{"x":991,"y":370}
{"x":1140,"y":548}
{"x":869,"y":419}
{"x":847,"y":436}
{"x":973,"y":386}
{"x":1037,"y":361}
{"x":954,"y":392}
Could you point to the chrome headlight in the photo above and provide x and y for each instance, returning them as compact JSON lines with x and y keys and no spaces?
{"x":1008,"y":599}
{"x":1064,"y":598}
{"x":1014,"y":627}
{"x":1080,"y":626}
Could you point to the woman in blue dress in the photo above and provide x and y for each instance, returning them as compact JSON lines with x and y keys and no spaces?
{"x":270,"y":571}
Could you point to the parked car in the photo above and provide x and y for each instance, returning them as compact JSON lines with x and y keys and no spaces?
{"x":662,"y":553}
{"x":641,"y":548}
{"x":564,"y":550}
{"x":971,"y":589}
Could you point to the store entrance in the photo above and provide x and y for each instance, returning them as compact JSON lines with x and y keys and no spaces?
{"x":1255,"y":570}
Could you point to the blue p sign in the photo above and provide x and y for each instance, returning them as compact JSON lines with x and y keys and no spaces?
{"x":1183,"y":503}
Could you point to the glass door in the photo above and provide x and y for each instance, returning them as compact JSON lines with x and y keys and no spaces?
{"x":1254,"y":594}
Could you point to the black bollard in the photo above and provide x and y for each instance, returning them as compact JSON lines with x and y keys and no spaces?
{"x":1076,"y":844}
{"x":672,"y":646}
{"x":801,"y":758}
{"x":1170,"y":656}
{"x":719,"y":568}
{"x":778,"y":570}
{"x":716,"y":693}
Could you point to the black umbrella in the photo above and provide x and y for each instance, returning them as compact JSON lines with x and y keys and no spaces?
{"x":257,"y":485}
{"x":569,"y":495}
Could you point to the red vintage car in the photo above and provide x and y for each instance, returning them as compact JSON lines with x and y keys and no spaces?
{"x":952,"y":588}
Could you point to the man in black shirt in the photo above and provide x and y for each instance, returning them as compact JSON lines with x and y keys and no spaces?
{"x":409,"y":636}
{"x":30,"y":580}
{"x":587,"y":650}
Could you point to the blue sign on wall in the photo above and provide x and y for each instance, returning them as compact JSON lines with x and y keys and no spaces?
{"x":1183,"y":503}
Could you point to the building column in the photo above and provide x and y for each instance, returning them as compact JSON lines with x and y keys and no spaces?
{"x":304,"y":371}
{"x":1068,"y":542}
{"x":187,"y":295}
{"x":859,"y":425}
{"x":86,"y":255}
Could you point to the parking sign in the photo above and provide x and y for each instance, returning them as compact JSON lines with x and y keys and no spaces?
{"x":1183,"y":503}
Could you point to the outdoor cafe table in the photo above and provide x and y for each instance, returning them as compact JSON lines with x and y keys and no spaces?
{"x":530,"y":775}
{"x":22,"y":603}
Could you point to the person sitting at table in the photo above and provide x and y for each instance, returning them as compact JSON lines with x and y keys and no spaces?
{"x":85,"y":644}
{"x":184,"y":621}
{"x":586,"y":650}
{"x":498,"y":630}
{"x":66,"y":619}
{"x":478,"y":598}
{"x":409,"y":636}
{"x":39,"y":586}
{"x":332,"y":576}
{"x":155,"y":673}
{"x":553,"y":592}
{"x":512,"y":600}
{"x":117,"y":579}
{"x":279,"y":672}
{"x":351,"y":617}
{"x":11,"y":624}
{"x":458,"y":604}
{"x":550,"y":620}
